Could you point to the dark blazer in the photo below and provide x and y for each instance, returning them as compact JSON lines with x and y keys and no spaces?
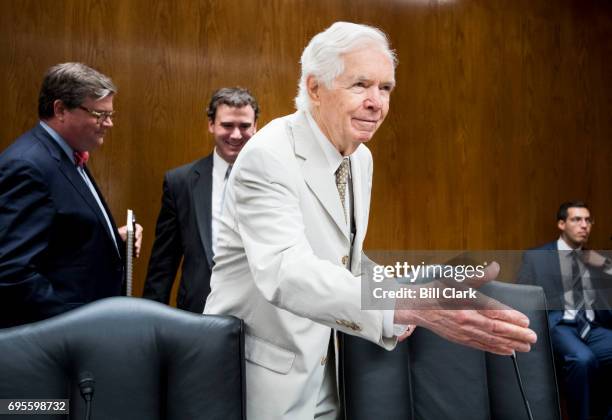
{"x":56,"y":251}
{"x":184,"y":231}
{"x":541,"y":267}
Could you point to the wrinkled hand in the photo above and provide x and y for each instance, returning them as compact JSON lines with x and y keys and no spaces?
{"x":483,"y":323}
{"x":137,"y":238}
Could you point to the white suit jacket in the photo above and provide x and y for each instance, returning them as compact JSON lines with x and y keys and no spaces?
{"x":282,"y":246}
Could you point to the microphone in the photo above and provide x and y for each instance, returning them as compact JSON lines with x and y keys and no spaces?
{"x":86,"y":386}
{"x":520,"y":383}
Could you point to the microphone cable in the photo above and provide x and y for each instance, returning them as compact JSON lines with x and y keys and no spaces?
{"x":520,"y":383}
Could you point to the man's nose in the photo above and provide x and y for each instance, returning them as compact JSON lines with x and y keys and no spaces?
{"x":373,"y":100}
{"x":236,"y":133}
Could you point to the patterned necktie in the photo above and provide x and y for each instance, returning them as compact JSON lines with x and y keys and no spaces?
{"x":342,"y":174}
{"x":80,"y":158}
{"x":582,"y":323}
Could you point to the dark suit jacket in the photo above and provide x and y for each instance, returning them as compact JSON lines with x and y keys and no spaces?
{"x":541,"y":267}
{"x":184,"y":231}
{"x":56,"y":252}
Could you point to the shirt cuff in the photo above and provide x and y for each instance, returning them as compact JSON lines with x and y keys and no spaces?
{"x":389,"y":328}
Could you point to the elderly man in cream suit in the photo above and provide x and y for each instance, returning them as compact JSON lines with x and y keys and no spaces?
{"x":290,"y":240}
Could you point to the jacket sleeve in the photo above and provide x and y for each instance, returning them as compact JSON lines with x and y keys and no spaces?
{"x":167,"y":249}
{"x":26,"y":220}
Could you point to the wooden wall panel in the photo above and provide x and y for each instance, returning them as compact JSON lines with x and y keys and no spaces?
{"x":503,"y":109}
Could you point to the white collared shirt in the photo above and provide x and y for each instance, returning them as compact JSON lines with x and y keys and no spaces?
{"x":219,"y":183}
{"x":334,"y":158}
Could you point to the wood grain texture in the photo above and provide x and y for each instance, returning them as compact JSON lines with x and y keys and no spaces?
{"x":502,"y":111}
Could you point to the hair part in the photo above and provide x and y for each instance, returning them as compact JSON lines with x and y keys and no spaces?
{"x":235,"y":97}
{"x":563,"y":209}
{"x":323,"y":56}
{"x":72,"y":83}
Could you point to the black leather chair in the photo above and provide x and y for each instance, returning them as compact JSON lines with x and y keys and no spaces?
{"x":149,"y":361}
{"x":429,"y":378}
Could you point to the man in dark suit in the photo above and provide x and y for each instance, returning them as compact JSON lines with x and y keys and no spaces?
{"x":576,"y":281}
{"x":59,"y":246}
{"x":192,"y":202}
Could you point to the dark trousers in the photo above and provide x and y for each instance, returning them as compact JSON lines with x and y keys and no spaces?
{"x":584,"y":365}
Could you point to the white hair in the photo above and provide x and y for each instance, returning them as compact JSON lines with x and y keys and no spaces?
{"x":322,"y":57}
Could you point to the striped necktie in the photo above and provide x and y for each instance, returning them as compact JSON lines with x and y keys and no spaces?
{"x":582,"y":323}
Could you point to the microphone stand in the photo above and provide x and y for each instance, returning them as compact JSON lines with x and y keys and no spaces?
{"x":86,"y":386}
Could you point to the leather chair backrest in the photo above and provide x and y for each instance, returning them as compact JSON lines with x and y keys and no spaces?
{"x":149,"y":361}
{"x":427,"y":377}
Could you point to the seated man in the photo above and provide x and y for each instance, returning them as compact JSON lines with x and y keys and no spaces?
{"x":579,"y":319}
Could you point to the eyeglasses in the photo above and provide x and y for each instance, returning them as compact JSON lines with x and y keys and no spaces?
{"x":578,"y":220}
{"x":100,"y":115}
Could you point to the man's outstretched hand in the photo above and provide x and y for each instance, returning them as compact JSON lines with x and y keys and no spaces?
{"x":482,"y":323}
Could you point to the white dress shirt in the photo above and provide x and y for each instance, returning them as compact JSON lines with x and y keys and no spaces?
{"x":219,"y":183}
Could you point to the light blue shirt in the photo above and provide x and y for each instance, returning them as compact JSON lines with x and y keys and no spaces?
{"x":70,"y":153}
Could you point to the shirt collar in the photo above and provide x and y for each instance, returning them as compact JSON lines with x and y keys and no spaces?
{"x":59,"y":140}
{"x":219,"y":165}
{"x":563,"y":246}
{"x":333,"y":156}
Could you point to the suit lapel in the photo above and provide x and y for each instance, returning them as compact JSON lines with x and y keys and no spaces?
{"x":106,"y":209}
{"x":315,"y":170}
{"x":552,"y":282}
{"x":359,"y":205}
{"x":553,"y":267}
{"x":67,"y":168}
{"x":201,"y":188}
{"x":555,"y":262}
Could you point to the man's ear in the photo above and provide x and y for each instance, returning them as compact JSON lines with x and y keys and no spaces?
{"x":211,"y":124}
{"x":59,"y":109}
{"x":561,"y":225}
{"x":314,"y":90}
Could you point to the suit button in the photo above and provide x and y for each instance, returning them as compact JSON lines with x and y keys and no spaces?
{"x":323,"y":360}
{"x":342,"y":323}
{"x":345,"y":260}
